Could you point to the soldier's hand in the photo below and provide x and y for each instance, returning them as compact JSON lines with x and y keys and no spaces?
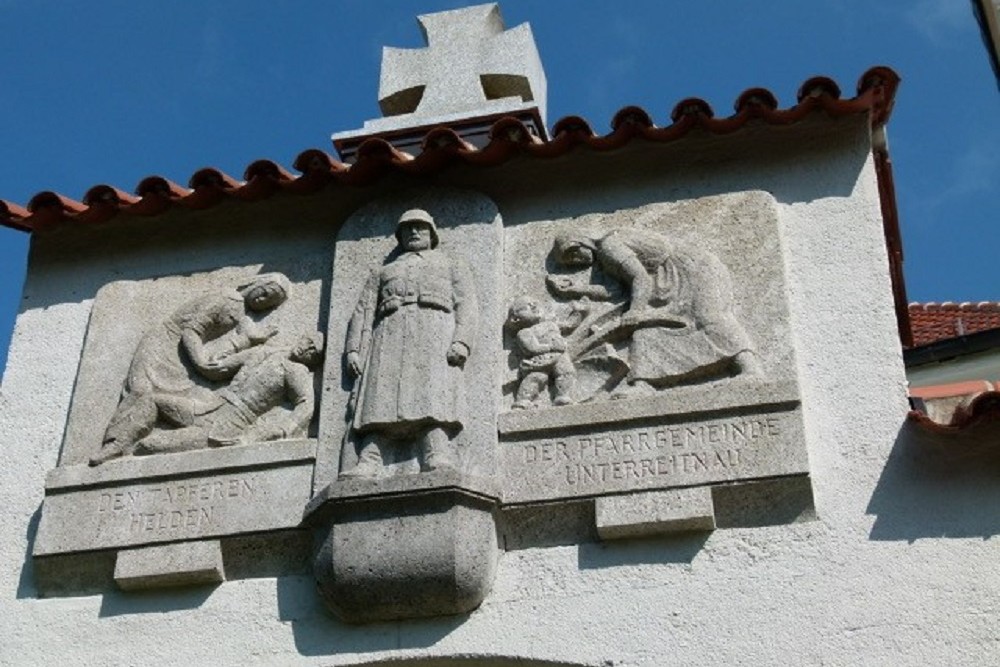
{"x":457,"y":354}
{"x":354,"y":364}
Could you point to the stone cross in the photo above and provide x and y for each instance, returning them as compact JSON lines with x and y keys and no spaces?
{"x":470,"y":63}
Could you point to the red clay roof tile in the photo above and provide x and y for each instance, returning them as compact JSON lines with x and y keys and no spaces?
{"x":933,"y":322}
{"x":983,"y":409}
{"x":508,"y":137}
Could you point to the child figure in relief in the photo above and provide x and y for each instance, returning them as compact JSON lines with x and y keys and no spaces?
{"x":542,"y":348}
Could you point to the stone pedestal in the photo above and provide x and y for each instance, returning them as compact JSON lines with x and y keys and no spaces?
{"x":405,"y":547}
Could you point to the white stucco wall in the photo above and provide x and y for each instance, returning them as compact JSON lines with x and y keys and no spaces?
{"x":899,"y":568}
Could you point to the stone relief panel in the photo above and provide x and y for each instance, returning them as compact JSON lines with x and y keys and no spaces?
{"x":666,"y":318}
{"x":648,"y":348}
{"x":416,"y":304}
{"x":209,"y":381}
{"x":207,"y":377}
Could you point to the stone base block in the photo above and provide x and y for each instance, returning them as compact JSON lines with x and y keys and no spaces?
{"x":654,"y":513}
{"x":179,"y":564}
{"x":408,"y":555}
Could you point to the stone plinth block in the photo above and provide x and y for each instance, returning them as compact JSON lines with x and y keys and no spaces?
{"x":656,"y":513}
{"x":426,"y":548}
{"x":179,"y":564}
{"x":193,"y":495}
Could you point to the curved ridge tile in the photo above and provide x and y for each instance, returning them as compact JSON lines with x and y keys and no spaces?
{"x":315,"y":161}
{"x":318,"y":170}
{"x":108,"y":195}
{"x":439,"y":148}
{"x":375,"y":157}
{"x":210,"y":186}
{"x":632,"y":116}
{"x":755,"y":98}
{"x":262,"y":178}
{"x":983,"y":409}
{"x":210,"y":177}
{"x":48,"y":207}
{"x":104,"y":202}
{"x":376,"y":148}
{"x":445,"y":139}
{"x":508,"y":138}
{"x":817,"y":86}
{"x":513,"y":131}
{"x":53,"y":200}
{"x":883,"y":82}
{"x":267,"y":170}
{"x":691,"y":107}
{"x":161,"y":187}
{"x":575,"y":125}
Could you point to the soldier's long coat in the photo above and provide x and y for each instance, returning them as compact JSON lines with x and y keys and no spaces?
{"x":410,"y":312}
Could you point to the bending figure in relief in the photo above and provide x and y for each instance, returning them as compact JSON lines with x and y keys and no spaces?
{"x":265,"y":377}
{"x":542,"y":349}
{"x":407,"y":343}
{"x":680,"y":309}
{"x":173,"y":355}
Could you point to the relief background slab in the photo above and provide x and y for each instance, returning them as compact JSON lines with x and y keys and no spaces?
{"x":469,"y":227}
{"x":742,"y":231}
{"x":124,"y":310}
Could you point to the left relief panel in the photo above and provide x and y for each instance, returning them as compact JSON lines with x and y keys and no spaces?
{"x":192,"y":421}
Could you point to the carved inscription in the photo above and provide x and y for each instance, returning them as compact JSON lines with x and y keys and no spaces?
{"x":133,"y":512}
{"x":178,"y":507}
{"x":667,"y":450}
{"x":658,"y":456}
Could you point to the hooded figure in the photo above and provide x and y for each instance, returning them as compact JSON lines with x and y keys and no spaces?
{"x":172,"y":355}
{"x":408,"y":340}
{"x":688,"y":282}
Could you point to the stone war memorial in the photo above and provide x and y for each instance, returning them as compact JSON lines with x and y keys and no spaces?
{"x":489,"y":391}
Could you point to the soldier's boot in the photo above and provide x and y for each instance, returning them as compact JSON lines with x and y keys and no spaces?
{"x":369,"y":460}
{"x":436,"y":451}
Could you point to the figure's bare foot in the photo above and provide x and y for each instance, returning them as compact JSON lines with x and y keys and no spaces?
{"x":110,"y":450}
{"x":748,"y":363}
{"x":562,"y":400}
{"x":521,"y":405}
{"x":222,"y":440}
{"x":633,"y":390}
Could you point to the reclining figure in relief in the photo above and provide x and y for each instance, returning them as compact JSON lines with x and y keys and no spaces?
{"x":267,"y":377}
{"x":181,"y":356}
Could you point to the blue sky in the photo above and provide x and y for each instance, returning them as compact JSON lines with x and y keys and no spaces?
{"x":113,"y":91}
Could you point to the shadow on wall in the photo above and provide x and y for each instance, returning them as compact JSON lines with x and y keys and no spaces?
{"x":674,"y":549}
{"x":317,"y":632}
{"x":474,"y":660}
{"x":26,"y":582}
{"x":937,"y":486}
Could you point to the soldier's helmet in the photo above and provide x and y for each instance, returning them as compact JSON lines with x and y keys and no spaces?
{"x":418,"y":215}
